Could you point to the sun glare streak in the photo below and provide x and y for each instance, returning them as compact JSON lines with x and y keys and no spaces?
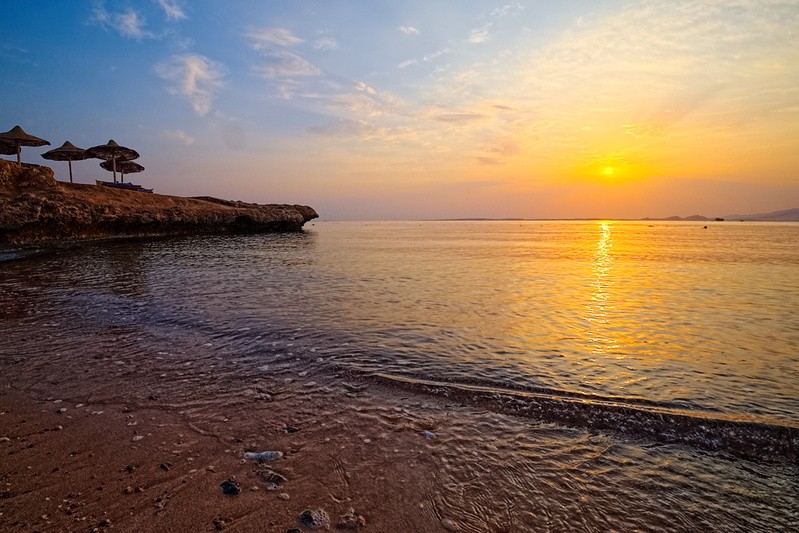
{"x":600,"y":305}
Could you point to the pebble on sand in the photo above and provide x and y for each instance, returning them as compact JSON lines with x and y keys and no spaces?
{"x":231,"y":488}
{"x":314,"y":519}
{"x":351,"y":520}
{"x":273,"y":480}
{"x":263,"y":456}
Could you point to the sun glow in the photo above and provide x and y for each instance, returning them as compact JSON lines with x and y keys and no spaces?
{"x":608,"y":172}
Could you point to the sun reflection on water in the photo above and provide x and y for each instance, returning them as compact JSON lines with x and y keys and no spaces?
{"x":600,"y":307}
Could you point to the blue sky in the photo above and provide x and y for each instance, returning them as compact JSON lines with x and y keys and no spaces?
{"x":386,"y":110}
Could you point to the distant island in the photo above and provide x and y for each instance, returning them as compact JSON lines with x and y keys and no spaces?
{"x":35,"y":209}
{"x":785,"y":215}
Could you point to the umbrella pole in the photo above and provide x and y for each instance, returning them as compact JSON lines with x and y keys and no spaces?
{"x":114,"y":164}
{"x":70,"y":170}
{"x":18,"y":151}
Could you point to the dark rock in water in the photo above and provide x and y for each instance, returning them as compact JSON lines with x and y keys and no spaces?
{"x":314,"y":519}
{"x":273,"y":480}
{"x":231,"y":488}
{"x":36,"y":209}
{"x":351,"y":520}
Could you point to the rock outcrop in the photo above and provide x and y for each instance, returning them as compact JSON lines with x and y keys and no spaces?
{"x":36,"y":209}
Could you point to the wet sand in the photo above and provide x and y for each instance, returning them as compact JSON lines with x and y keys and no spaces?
{"x":70,"y":466}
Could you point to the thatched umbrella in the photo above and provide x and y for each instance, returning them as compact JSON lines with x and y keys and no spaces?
{"x":17,"y":137}
{"x":67,"y":152}
{"x":112,"y":152}
{"x":7,"y":149}
{"x":123,"y":167}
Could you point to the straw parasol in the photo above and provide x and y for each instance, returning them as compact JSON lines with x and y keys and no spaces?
{"x":114,"y":153}
{"x":67,"y":152}
{"x":6,"y":148}
{"x":17,"y":137}
{"x":123,"y":167}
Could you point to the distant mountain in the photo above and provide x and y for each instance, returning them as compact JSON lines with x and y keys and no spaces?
{"x":786,"y":215}
{"x":699,"y":218}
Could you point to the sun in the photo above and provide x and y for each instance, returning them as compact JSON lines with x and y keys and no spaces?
{"x":608,"y":172}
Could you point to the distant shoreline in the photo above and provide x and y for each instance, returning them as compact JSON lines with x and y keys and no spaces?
{"x":785,"y":215}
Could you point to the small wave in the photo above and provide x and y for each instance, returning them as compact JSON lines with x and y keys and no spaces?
{"x":755,"y":440}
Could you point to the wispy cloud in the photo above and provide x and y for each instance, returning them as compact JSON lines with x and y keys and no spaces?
{"x":479,"y":35}
{"x":325,"y":43}
{"x":343,"y":127}
{"x":433,"y":55}
{"x":645,"y":80}
{"x":362,"y":87}
{"x":129,"y":23}
{"x":279,"y":63}
{"x":459,"y":118}
{"x":172,"y":9}
{"x":407,"y":63}
{"x":507,"y":9}
{"x":265,"y":38}
{"x":409,"y":30}
{"x":196,"y":78}
{"x":285,"y":64}
{"x":178,"y":136}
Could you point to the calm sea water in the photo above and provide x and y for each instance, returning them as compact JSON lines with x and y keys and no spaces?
{"x":679,"y":343}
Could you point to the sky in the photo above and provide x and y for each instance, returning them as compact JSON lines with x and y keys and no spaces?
{"x":422,"y":109}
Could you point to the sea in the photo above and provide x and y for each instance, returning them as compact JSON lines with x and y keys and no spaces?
{"x":593,"y":375}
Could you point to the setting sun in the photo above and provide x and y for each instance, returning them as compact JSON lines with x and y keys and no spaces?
{"x":608,"y":172}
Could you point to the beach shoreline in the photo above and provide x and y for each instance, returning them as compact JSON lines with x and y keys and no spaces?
{"x":74,"y":464}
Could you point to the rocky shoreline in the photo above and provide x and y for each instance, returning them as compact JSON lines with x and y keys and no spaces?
{"x":37,"y":210}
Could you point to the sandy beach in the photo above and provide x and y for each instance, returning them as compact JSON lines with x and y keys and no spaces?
{"x":72,"y":463}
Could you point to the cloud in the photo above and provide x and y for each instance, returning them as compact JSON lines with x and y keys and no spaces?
{"x":266,"y":38}
{"x":459,"y":118}
{"x":409,"y":30}
{"x":194,"y":77}
{"x":280,"y":65}
{"x":172,"y":9}
{"x":408,"y":63}
{"x":178,"y":136}
{"x":362,"y":87}
{"x":342,"y":128}
{"x":284,"y":64}
{"x":128,"y":24}
{"x":479,"y":35}
{"x":507,"y":9}
{"x":433,"y":55}
{"x":325,"y":43}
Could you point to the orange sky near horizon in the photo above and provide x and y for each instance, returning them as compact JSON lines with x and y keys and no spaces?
{"x":612,"y":109}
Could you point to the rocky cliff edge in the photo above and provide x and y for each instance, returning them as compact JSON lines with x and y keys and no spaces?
{"x":36,"y":209}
